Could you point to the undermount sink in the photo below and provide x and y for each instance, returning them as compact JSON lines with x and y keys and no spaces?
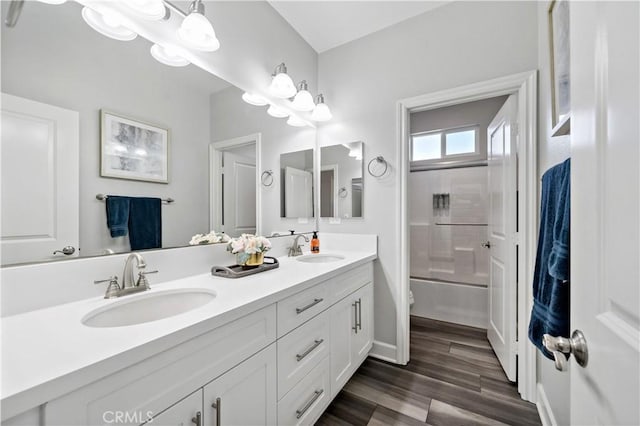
{"x":319,"y":258}
{"x":148,"y":307}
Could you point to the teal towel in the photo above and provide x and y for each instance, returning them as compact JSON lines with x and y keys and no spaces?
{"x":145,"y":223}
{"x":550,"y":313}
{"x":117,"y":215}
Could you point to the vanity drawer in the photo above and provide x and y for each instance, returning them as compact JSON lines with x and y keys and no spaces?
{"x":301,"y":307}
{"x":304,"y":404}
{"x":301,"y":350}
{"x":345,"y":284}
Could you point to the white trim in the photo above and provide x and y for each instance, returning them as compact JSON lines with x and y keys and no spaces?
{"x":544,"y":408}
{"x":383,"y":351}
{"x":524,"y":84}
{"x":215,"y":162}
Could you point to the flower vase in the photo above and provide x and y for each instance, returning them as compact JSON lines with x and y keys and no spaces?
{"x":256,"y":259}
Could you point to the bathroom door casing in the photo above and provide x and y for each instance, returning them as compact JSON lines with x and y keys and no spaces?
{"x":605,"y":211}
{"x":502,"y":185}
{"x":40,"y":170}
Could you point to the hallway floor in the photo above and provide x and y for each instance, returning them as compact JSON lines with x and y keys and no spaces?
{"x":453,"y":378}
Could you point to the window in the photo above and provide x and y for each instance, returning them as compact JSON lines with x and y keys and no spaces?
{"x":450,"y":145}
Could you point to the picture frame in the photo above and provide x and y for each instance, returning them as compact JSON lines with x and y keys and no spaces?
{"x":133,"y":149}
{"x":559,"y":66}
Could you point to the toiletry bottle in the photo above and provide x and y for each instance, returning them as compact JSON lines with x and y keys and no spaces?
{"x":315,"y":243}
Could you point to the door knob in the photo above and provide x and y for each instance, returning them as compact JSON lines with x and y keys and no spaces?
{"x":559,"y":346}
{"x":68,"y":250}
{"x":486,"y":244}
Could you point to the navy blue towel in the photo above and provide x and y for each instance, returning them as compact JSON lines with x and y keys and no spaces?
{"x":550,"y":313}
{"x":117,"y":215}
{"x":145,"y":223}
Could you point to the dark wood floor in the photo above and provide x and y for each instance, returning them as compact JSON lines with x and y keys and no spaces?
{"x":453,"y":379}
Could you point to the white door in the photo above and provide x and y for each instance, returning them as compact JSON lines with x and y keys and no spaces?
{"x":39,"y":180}
{"x":186,"y":412}
{"x":239,"y":194}
{"x":501,"y":152}
{"x":298,"y":198}
{"x":605,"y":215}
{"x":245,"y":395}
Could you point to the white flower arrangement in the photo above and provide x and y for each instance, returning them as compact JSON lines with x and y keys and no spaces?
{"x":246,"y":245}
{"x":211,"y":238}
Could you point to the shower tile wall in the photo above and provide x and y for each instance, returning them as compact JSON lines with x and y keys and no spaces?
{"x":442,"y":248}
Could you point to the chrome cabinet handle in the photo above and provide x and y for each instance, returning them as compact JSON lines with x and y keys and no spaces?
{"x":316,"y":395}
{"x":197,"y":419}
{"x":218,"y":407}
{"x":355,"y":312}
{"x":486,"y":244}
{"x":359,"y":324}
{"x":558,"y":346}
{"x":310,"y":305}
{"x":67,"y":251}
{"x":316,"y":343}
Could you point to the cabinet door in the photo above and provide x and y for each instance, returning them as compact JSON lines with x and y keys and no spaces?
{"x":245,"y":395}
{"x":187,"y":412}
{"x":363,"y":338}
{"x":343,"y":322}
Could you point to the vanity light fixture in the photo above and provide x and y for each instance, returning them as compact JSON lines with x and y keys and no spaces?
{"x":153,"y":10}
{"x":52,"y":1}
{"x":108,"y":24}
{"x":303,"y":101}
{"x":254,"y":99}
{"x":168,"y":55}
{"x":321,"y":112}
{"x":277,"y":112}
{"x":196,"y":30}
{"x":296,"y":121}
{"x":281,"y":85}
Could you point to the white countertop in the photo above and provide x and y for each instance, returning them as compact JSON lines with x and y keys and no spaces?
{"x":48,"y":352}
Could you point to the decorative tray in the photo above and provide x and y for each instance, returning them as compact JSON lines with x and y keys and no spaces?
{"x":239,"y":271}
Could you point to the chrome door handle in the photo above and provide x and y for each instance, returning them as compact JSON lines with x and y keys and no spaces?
{"x":355,"y":320}
{"x":197,"y":419}
{"x":316,"y":395}
{"x":359,"y":323}
{"x":486,"y":244}
{"x":316,"y":343}
{"x":310,"y":305}
{"x":559,"y":346}
{"x":218,"y":407}
{"x":67,"y":250}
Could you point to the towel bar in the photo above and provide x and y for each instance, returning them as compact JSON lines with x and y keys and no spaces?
{"x":103,"y":197}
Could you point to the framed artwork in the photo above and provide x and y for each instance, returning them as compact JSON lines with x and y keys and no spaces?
{"x":559,"y":64}
{"x":132,"y":149}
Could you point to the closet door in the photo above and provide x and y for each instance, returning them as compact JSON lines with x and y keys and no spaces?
{"x":502,"y":289}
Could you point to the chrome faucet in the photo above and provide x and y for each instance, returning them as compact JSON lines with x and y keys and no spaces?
{"x":129,"y":285}
{"x":295,"y":249}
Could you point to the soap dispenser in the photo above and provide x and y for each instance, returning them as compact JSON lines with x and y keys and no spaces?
{"x":315,"y":243}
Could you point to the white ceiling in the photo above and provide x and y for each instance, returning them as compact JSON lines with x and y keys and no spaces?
{"x":327,"y":24}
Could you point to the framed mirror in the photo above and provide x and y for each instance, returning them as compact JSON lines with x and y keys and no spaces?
{"x":341,"y":180}
{"x":296,"y":189}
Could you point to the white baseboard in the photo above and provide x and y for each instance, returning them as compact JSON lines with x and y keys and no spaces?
{"x":383,"y":351}
{"x":544,"y":408}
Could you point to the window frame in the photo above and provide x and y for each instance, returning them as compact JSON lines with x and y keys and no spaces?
{"x":448,"y":159}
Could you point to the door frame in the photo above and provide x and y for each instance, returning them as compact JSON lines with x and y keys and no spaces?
{"x":334,"y":168}
{"x":215,"y":163}
{"x":525,"y":86}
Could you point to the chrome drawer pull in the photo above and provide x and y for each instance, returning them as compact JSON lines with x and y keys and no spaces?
{"x":310,"y":305}
{"x":218,"y":407}
{"x":197,"y":420}
{"x":359,"y":324}
{"x":355,"y":312}
{"x":316,"y":395}
{"x":316,"y":343}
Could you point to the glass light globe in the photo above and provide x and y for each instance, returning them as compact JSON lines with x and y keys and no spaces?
{"x":253,"y":99}
{"x":321,"y":113}
{"x":197,"y":32}
{"x":282,"y":86}
{"x":108,"y":25}
{"x":168,"y":55}
{"x":296,"y":121}
{"x":52,"y":1}
{"x":152,"y":10}
{"x":277,"y":112}
{"x":303,"y":101}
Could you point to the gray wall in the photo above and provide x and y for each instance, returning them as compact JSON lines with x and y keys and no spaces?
{"x":456,"y":44}
{"x":52,"y":56}
{"x":551,"y":151}
{"x":472,"y":113}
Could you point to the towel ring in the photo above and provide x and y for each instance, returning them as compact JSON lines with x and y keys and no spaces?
{"x":379,"y":168}
{"x":342,"y":193}
{"x":267,"y":178}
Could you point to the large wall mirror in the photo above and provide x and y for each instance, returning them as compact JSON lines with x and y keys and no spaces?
{"x":296,"y":189}
{"x":341,"y":183}
{"x":163,"y":126}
